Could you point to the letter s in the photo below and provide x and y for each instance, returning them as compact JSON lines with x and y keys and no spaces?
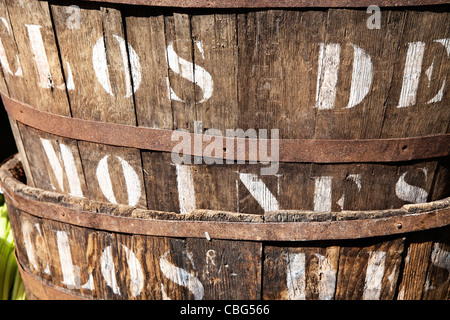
{"x":180,"y":277}
{"x":187,"y":70}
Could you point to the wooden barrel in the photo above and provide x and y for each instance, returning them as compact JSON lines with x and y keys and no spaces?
{"x":69,"y":248}
{"x":264,"y":109}
{"x":351,"y":103}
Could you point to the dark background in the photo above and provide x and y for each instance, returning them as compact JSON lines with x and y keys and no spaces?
{"x":7,"y":143}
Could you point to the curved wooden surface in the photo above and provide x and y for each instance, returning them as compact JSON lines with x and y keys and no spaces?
{"x":83,"y":258}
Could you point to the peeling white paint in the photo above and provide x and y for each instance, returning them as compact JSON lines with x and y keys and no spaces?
{"x":356,"y":178}
{"x":327,"y":75}
{"x":374,"y":275}
{"x":327,"y":279}
{"x":296,"y":276}
{"x":71,"y":171}
{"x":341,"y":201}
{"x":100,"y":64}
{"x":108,"y":270}
{"x":185,"y":186}
{"x":259,"y":191}
{"x":410,"y":193}
{"x":361,"y":76}
{"x":199,"y":45}
{"x":104,"y":180}
{"x":132,"y":181}
{"x":71,"y":273}
{"x":27,"y":229}
{"x":65,"y":259}
{"x":322,"y":194}
{"x":438,"y":97}
{"x":70,"y":83}
{"x":191,"y":72}
{"x":441,"y":259}
{"x":180,"y":277}
{"x":40,"y":56}
{"x":4,"y":59}
{"x":69,"y":167}
{"x":411,"y":74}
{"x":136,"y":273}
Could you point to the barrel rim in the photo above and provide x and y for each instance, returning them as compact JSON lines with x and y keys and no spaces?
{"x":230,"y":4}
{"x":126,"y":219}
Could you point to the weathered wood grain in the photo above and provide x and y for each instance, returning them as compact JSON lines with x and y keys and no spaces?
{"x":369,"y":273}
{"x":300,"y":273}
{"x":32,"y":247}
{"x":308,"y":73}
{"x":39,"y":57}
{"x":215,"y":39}
{"x":423,"y":117}
{"x":12,"y":73}
{"x":179,"y":54}
{"x":227,"y":269}
{"x":99,"y":65}
{"x":437,"y":283}
{"x":145,"y":33}
{"x":113,"y":174}
{"x":97,"y":263}
{"x":55,"y":162}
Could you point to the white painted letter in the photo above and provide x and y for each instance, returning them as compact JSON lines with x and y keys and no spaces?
{"x":180,"y":277}
{"x":441,"y":259}
{"x":40,"y":57}
{"x":136,"y":273}
{"x":41,"y":60}
{"x":186,"y":191}
{"x":374,"y":275}
{"x":108,"y":270}
{"x":135,"y":269}
{"x":27,"y":229}
{"x":407,"y":192}
{"x":322,"y":194}
{"x":361,"y":76}
{"x":411,"y":74}
{"x":187,"y":70}
{"x":438,"y":97}
{"x":4,"y":59}
{"x":327,"y":75}
{"x":69,"y":166}
{"x":99,"y":61}
{"x":131,"y":180}
{"x":259,"y":191}
{"x":71,"y":273}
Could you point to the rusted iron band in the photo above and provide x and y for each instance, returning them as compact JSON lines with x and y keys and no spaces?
{"x":415,"y":218}
{"x":275,"y":4}
{"x":290,"y":150}
{"x":43,"y":291}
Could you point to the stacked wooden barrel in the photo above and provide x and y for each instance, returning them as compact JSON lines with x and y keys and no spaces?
{"x":343,"y":197}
